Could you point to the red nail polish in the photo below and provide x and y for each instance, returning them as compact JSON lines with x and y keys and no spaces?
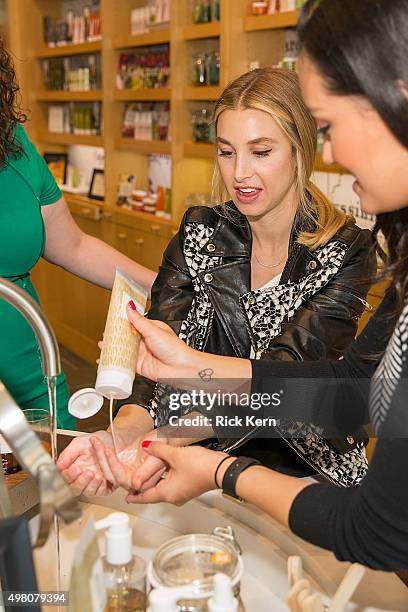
{"x":132,"y":305}
{"x":146,"y":443}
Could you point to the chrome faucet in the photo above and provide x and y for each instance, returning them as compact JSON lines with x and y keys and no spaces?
{"x":55,"y":494}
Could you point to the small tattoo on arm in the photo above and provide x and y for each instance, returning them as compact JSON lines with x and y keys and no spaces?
{"x":206,"y":374}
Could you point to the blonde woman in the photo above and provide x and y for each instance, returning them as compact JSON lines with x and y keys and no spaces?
{"x":272,"y":271}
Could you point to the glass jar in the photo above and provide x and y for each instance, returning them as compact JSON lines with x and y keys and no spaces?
{"x":196,"y":557}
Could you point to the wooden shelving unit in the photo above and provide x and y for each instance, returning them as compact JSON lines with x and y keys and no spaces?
{"x":239,"y":37}
{"x":71,"y":139}
{"x":202,"y":30}
{"x":271,"y":22}
{"x":68,"y":96}
{"x":127,"y":41}
{"x":65,"y":50}
{"x":143,"y":146}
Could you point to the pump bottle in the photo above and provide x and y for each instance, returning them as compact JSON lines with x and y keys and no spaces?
{"x":125,"y":573}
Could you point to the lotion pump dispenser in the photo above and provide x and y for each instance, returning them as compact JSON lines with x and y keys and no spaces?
{"x":125,"y":573}
{"x":223,"y":599}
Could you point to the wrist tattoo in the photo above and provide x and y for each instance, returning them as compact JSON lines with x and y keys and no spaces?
{"x":206,"y":375}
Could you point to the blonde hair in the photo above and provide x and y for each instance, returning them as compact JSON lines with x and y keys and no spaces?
{"x":277,"y":93}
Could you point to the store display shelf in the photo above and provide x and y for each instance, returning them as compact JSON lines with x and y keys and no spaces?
{"x":202,"y":30}
{"x":143,"y":146}
{"x":202,"y":93}
{"x":159,"y":93}
{"x":198,"y":149}
{"x":271,"y":22}
{"x":78,"y":49}
{"x":142,"y":40}
{"x":320,"y":166}
{"x":68,"y":96}
{"x":71,"y":139}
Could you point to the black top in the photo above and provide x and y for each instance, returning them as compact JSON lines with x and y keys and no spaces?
{"x":368,"y":523}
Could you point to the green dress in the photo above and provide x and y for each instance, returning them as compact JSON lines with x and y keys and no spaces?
{"x":26,"y":184}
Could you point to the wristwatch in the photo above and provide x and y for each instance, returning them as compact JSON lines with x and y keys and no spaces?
{"x":233,"y":472}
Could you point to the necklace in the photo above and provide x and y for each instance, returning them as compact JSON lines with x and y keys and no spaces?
{"x":266,"y":265}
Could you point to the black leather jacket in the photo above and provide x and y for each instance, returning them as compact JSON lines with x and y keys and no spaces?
{"x":203,"y":291}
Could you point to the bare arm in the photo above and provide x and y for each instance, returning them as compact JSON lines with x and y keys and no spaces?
{"x":88,"y":257}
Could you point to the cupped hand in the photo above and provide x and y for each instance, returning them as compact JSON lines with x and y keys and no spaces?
{"x":80,"y":467}
{"x":121,"y":469}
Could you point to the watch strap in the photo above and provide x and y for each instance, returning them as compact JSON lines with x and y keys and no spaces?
{"x":232,"y":473}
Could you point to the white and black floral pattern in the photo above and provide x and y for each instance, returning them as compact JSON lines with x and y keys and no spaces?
{"x":267,"y":309}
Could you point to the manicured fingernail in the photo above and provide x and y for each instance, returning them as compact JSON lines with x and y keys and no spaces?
{"x":132,"y":305}
{"x":146,"y":443}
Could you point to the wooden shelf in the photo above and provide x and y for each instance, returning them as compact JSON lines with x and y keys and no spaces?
{"x":142,"y":40}
{"x":320,"y":166}
{"x":271,"y":22}
{"x":199,"y":149}
{"x":144,"y":146}
{"x":202,"y":30}
{"x":202,"y":93}
{"x":87,"y":47}
{"x":160,"y":93}
{"x":69,"y":96}
{"x":69,"y":139}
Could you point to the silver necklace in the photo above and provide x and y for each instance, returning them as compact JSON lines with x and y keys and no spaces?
{"x":266,"y":265}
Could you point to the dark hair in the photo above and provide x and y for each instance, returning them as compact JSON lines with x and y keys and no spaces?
{"x":10,"y":113}
{"x":361,"y":48}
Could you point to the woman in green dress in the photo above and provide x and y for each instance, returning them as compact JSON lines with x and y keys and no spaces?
{"x":35,"y":222}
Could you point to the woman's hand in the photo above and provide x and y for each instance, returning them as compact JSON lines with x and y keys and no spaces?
{"x":162,"y":355}
{"x":190,"y":472}
{"x":80,"y":467}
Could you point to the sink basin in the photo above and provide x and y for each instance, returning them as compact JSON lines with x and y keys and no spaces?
{"x":266,"y":546}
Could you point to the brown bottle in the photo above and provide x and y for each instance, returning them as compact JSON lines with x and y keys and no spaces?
{"x":8,"y":461}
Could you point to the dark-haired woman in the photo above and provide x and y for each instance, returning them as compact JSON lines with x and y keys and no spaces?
{"x":354,"y":78}
{"x":35,"y":221}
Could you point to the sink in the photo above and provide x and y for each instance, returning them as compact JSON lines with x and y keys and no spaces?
{"x":266,"y":546}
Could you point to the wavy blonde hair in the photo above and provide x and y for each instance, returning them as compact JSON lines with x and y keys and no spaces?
{"x":277,"y":93}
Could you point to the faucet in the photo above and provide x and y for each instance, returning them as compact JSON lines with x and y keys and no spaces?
{"x":55,"y":493}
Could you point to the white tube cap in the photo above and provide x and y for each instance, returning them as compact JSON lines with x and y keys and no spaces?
{"x":114,"y":382}
{"x":85,"y":403}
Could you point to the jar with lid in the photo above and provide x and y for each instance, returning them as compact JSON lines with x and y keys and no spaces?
{"x":197,"y":557}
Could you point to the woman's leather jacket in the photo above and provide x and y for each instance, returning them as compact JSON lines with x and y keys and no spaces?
{"x":203,"y":291}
